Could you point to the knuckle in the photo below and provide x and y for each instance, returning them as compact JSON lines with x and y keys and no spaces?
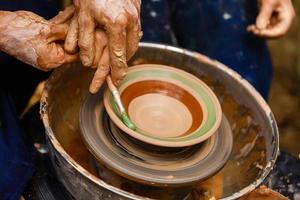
{"x":85,"y":20}
{"x":122,"y":20}
{"x":84,"y":46}
{"x":119,"y":72}
{"x":102,"y":71}
{"x":100,"y":36}
{"x":120,"y":64}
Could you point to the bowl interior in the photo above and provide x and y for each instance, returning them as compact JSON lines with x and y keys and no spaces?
{"x":162,"y":109}
{"x":166,"y":105}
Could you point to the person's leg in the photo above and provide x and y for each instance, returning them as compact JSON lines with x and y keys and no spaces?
{"x":16,"y":163}
{"x":217,"y":28}
{"x":155,"y":22}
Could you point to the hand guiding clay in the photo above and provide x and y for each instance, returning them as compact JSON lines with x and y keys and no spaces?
{"x":34,"y":40}
{"x":101,"y":61}
{"x":274,"y":19}
{"x":121,"y":21}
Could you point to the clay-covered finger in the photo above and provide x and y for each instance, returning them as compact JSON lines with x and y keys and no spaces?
{"x":137,"y":4}
{"x":117,"y":48}
{"x":105,"y":58}
{"x":71,"y":41}
{"x":53,"y":56}
{"x":64,"y":16}
{"x":100,"y":44}
{"x":86,"y":38}
{"x":69,"y":58}
{"x":100,"y":74}
{"x":133,"y":38}
{"x":57,"y":32}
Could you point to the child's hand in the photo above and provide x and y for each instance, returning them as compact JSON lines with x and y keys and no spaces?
{"x":274,"y":19}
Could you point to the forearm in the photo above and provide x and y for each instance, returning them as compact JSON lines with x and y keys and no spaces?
{"x":13,"y":38}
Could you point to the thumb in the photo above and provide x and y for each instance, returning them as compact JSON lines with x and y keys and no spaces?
{"x":64,"y":16}
{"x":265,"y":13}
{"x":57,"y":32}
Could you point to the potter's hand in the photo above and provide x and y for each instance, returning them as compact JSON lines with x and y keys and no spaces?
{"x":121,"y":21}
{"x":34,"y":40}
{"x":101,"y":61}
{"x":274,"y":19}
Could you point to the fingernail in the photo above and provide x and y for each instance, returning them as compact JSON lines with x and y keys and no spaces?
{"x":93,"y":90}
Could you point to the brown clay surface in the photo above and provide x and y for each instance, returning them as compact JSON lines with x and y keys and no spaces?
{"x":154,"y":86}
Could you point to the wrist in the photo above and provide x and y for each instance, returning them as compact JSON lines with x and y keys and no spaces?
{"x":13,"y":39}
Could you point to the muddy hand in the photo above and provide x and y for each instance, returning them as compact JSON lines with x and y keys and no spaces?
{"x":121,"y":21}
{"x":101,"y":61}
{"x":274,"y":19}
{"x":34,"y":40}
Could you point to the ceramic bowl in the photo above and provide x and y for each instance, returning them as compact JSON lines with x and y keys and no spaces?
{"x":169,"y":107}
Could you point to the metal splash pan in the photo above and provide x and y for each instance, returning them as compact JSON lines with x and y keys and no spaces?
{"x":254,"y":129}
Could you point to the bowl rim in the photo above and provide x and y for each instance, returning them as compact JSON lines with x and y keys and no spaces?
{"x":193,"y":93}
{"x":156,"y":141}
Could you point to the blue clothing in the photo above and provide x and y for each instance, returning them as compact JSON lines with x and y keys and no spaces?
{"x":216,"y":28}
{"x":16,"y":154}
{"x":16,"y":162}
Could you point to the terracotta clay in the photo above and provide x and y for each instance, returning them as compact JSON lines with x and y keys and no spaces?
{"x":167,"y":89}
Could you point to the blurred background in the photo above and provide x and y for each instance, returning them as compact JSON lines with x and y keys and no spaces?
{"x":285,"y":92}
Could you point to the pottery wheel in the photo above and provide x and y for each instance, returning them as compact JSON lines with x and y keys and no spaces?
{"x":147,"y":163}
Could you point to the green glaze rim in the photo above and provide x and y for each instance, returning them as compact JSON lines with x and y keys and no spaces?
{"x":205,"y":126}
